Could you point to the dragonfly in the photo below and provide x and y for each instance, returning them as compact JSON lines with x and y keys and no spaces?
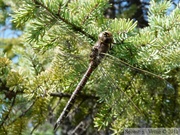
{"x":100,"y":49}
{"x":102,"y":46}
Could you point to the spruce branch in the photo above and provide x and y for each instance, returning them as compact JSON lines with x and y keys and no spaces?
{"x":87,"y":16}
{"x":58,"y":16}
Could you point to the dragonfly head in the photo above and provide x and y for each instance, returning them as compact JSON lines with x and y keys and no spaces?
{"x":106,"y":37}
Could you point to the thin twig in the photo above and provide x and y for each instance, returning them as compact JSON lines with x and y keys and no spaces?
{"x":9,"y":111}
{"x":35,"y":127}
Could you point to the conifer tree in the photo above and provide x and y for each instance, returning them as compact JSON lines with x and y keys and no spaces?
{"x":136,"y":84}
